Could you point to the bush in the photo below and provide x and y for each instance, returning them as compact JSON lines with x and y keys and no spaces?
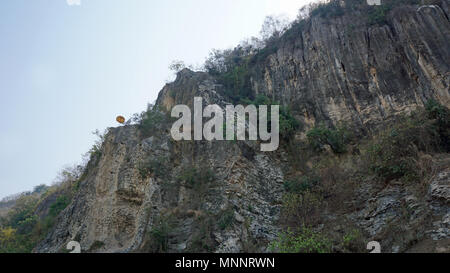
{"x":158,"y":236}
{"x":377,"y":16}
{"x":226,"y":219}
{"x":301,"y":185}
{"x":40,"y":188}
{"x":23,"y":228}
{"x":156,"y":166}
{"x":34,"y":213}
{"x":196,"y":178}
{"x":441,"y":115}
{"x":393,"y":153}
{"x":199,"y":181}
{"x":301,"y":209}
{"x":304,"y":240}
{"x":96,"y":150}
{"x":337,"y":138}
{"x":288,"y":125}
{"x":327,"y":10}
{"x":150,"y":120}
{"x":61,"y":203}
{"x":391,"y":160}
{"x":96,"y":245}
{"x":353,"y":241}
{"x":236,"y":81}
{"x":231,"y":69}
{"x":202,"y":237}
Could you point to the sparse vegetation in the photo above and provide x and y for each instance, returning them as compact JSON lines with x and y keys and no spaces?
{"x":151,"y":120}
{"x":337,"y":138}
{"x":288,"y":125}
{"x":301,"y":184}
{"x":226,"y":219}
{"x":301,"y":209}
{"x":96,"y":245}
{"x":195,"y":178}
{"x":23,"y":227}
{"x":304,"y":240}
{"x":199,"y":181}
{"x":96,"y":150}
{"x":202,"y":240}
{"x":153,"y":166}
{"x":399,"y":152}
{"x":353,"y":241}
{"x":158,"y":237}
{"x":393,"y":152}
{"x":377,"y":16}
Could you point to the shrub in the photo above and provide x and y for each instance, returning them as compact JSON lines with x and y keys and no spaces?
{"x":336,"y":138}
{"x":150,"y":120}
{"x":96,"y":245}
{"x":28,"y":228}
{"x":156,"y":166}
{"x":393,"y":153}
{"x":236,"y":81}
{"x":377,"y":16}
{"x":441,"y":115}
{"x":96,"y":150}
{"x":226,"y":219}
{"x":390,"y":160}
{"x":40,"y":188}
{"x":158,"y":236}
{"x":302,"y":184}
{"x":61,"y":203}
{"x":326,"y":10}
{"x":353,"y":241}
{"x":196,"y":178}
{"x":304,"y":240}
{"x":202,"y":237}
{"x":199,"y":181}
{"x":288,"y":125}
{"x":231,"y":69}
{"x":301,"y":209}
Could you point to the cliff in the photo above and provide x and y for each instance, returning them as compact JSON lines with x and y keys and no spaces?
{"x":146,"y":192}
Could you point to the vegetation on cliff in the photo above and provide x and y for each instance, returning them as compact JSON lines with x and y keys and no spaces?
{"x":400,"y":153}
{"x":321,"y":174}
{"x":35,"y":213}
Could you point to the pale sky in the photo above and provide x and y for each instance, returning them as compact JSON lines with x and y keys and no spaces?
{"x":67,"y":70}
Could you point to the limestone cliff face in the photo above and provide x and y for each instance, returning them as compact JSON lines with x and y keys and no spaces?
{"x":116,"y":206}
{"x":328,"y":70}
{"x":338,"y":69}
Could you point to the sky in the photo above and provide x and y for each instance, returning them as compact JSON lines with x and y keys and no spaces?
{"x":68,"y":69}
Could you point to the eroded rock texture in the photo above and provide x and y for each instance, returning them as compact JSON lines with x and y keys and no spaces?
{"x":327,"y":70}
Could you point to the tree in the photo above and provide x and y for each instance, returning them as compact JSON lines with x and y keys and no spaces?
{"x":273,"y":27}
{"x":177,"y":65}
{"x":40,"y":188}
{"x":69,"y":174}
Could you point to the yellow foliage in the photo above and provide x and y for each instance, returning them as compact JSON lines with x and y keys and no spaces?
{"x":7,"y":234}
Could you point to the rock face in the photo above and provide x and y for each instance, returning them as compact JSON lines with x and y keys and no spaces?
{"x":339,"y":69}
{"x":327,"y":70}
{"x":116,"y":206}
{"x":335,"y":69}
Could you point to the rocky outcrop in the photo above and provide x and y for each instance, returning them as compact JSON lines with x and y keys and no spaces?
{"x":330,"y":70}
{"x":340,"y":69}
{"x":116,"y":206}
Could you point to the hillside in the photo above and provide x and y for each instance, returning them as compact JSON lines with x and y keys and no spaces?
{"x":364,"y":153}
